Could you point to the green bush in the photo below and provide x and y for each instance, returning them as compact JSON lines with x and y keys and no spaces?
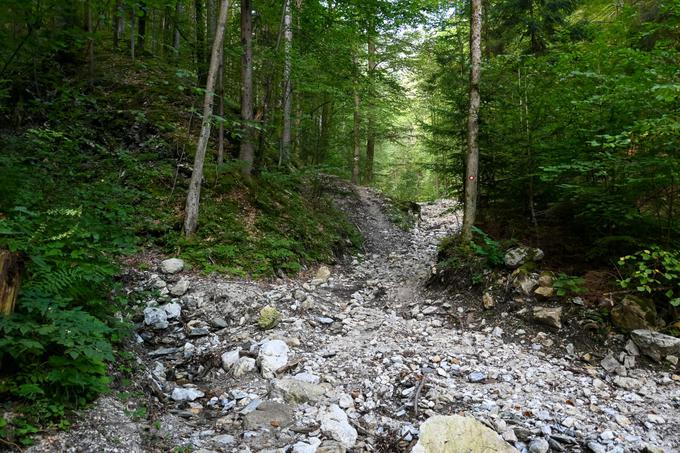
{"x":652,"y":271}
{"x":54,"y":349}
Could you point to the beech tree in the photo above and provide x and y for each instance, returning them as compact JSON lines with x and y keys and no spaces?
{"x":247,"y":152}
{"x":194,"y":193}
{"x":472,"y":166}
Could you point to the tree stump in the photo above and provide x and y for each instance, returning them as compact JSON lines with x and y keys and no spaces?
{"x":10,"y":281}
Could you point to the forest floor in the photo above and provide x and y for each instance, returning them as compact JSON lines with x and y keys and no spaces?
{"x":359,"y":359}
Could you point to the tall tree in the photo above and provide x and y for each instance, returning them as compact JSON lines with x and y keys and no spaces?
{"x":472,"y":165}
{"x":356,"y":155}
{"x":141,"y":32}
{"x":200,"y":41}
{"x":370,"y":126}
{"x":287,"y":83}
{"x":194,"y":193}
{"x":247,"y":151}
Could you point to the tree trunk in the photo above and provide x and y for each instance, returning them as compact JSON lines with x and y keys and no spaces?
{"x":90,"y":37}
{"x":247,"y":153}
{"x":357,"y":136}
{"x":200,"y":42}
{"x":117,"y":22}
{"x":471,"y":175}
{"x":220,"y":93}
{"x":370,"y":127}
{"x":287,"y":84}
{"x":133,"y":37}
{"x":194,"y":194}
{"x":10,"y":281}
{"x":141,"y":29}
{"x":176,"y":36}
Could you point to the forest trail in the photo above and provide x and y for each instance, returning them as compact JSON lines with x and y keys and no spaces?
{"x":352,"y":354}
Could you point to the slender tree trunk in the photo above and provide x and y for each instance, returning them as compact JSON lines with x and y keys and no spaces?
{"x":200,"y":42}
{"x":117,"y":23}
{"x":287,"y":83}
{"x":357,"y":136}
{"x":133,"y":36}
{"x":471,"y":175}
{"x":220,"y":93}
{"x":247,"y":152}
{"x":141,"y":29}
{"x":194,"y":194}
{"x":10,"y":281}
{"x":176,"y":36}
{"x":90,"y":37}
{"x":370,"y":127}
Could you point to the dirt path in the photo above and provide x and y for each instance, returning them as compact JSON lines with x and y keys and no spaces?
{"x":358,"y":361}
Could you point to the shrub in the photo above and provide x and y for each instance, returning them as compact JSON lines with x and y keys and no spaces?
{"x":653,"y":271}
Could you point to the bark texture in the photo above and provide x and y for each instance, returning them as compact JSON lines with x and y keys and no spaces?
{"x":370,"y":127}
{"x":194,"y":194}
{"x":247,"y":151}
{"x":10,"y":281}
{"x":472,"y":166}
{"x":357,"y":137}
{"x":287,"y":83}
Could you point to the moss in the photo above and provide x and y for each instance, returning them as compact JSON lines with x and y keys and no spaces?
{"x":269,"y":318}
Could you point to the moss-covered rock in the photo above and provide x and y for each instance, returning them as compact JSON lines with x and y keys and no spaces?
{"x":634,"y":313}
{"x":269,"y":318}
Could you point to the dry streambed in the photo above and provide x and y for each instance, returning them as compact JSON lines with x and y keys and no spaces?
{"x":361,"y":356}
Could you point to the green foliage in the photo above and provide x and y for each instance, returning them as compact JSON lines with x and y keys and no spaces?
{"x":54,"y":348}
{"x":276,"y":224}
{"x":568,"y":285}
{"x":653,"y":271}
{"x":487,"y":248}
{"x":467,"y":264}
{"x":579,"y":124}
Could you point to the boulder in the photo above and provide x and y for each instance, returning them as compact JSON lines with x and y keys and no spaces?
{"x":272,"y":356}
{"x":186,"y":394}
{"x":155,"y":317}
{"x":296,"y":391}
{"x":518,"y":256}
{"x":455,"y":434}
{"x":244,"y":366}
{"x":230,"y":359}
{"x":173,"y":310}
{"x":269,"y":318}
{"x":334,"y":424}
{"x":656,"y":345}
{"x":634,"y":313}
{"x":544,"y":292}
{"x":172,"y":266}
{"x":549,"y":316}
{"x":524,"y":281}
{"x":180,"y":288}
{"x":269,"y":415}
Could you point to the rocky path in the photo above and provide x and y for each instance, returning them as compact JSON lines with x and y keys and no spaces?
{"x":362,"y":355}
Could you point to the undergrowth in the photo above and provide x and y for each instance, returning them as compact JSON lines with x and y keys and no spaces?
{"x":90,"y":174}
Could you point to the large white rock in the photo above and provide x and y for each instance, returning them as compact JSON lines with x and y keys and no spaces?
{"x":243,"y":366}
{"x":334,"y":423}
{"x":155,"y":317}
{"x":186,"y":394}
{"x":173,"y":310}
{"x":172,"y":266}
{"x":230,"y":359}
{"x":517,"y":256}
{"x":180,"y":288}
{"x":656,"y":345}
{"x":272,"y":356}
{"x":456,"y":434}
